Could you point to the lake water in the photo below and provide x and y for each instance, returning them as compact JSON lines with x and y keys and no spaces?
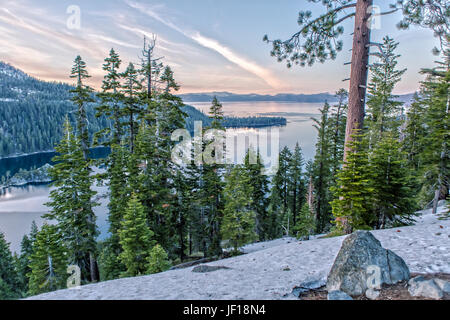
{"x":19,"y":206}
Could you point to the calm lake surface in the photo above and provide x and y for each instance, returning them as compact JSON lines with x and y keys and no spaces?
{"x":20,"y":206}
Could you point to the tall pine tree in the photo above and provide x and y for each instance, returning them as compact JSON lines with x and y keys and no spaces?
{"x":71,"y":203}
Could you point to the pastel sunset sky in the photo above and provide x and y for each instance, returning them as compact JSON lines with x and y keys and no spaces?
{"x":212,"y":45}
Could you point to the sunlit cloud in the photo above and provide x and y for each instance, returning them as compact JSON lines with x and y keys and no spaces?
{"x":213,"y":44}
{"x":245,"y":64}
{"x":112,"y":40}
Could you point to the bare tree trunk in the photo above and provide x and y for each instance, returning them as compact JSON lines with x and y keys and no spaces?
{"x":93,"y":268}
{"x":358,"y":80}
{"x":359,"y":71}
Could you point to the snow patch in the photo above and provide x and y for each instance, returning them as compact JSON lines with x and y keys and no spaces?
{"x":262,"y":273}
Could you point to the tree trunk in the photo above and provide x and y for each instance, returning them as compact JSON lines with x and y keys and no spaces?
{"x":358,"y":79}
{"x":93,"y":268}
{"x":294,"y":205}
{"x":359,"y":71}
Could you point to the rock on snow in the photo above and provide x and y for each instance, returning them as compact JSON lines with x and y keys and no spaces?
{"x":419,"y":287}
{"x":425,"y":248}
{"x":338,"y":295}
{"x":359,"y":251}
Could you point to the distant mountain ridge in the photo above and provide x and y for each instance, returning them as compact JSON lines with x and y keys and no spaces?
{"x":230,"y":97}
{"x":281,"y":97}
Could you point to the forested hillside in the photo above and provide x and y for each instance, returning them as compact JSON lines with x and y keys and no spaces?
{"x":32,"y":111}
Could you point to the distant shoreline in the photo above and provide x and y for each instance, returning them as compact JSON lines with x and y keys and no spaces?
{"x":25,"y":154}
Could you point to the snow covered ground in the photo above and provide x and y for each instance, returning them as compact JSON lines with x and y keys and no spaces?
{"x":270,"y":270}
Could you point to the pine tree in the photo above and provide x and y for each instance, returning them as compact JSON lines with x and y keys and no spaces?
{"x":158,"y":174}
{"x":131,"y":102}
{"x":414,"y":133}
{"x":392,"y":197}
{"x":322,"y":173}
{"x":280,"y":193}
{"x":111,"y":97}
{"x":238,"y":226}
{"x":297,"y":189}
{"x":71,"y":203}
{"x":119,"y":192}
{"x":157,"y":260}
{"x":23,"y":261}
{"x":337,"y":121}
{"x":216,"y":114}
{"x":353,"y":193}
{"x":9,"y":279}
{"x":305,"y":224}
{"x":82,"y":95}
{"x":48,"y":263}
{"x":435,"y":154}
{"x":135,"y":239}
{"x":212,"y":184}
{"x":196,"y":226}
{"x":383,"y":108}
{"x":259,"y":183}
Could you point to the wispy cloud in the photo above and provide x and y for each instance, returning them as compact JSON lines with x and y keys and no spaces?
{"x":242,"y":62}
{"x":226,"y":52}
{"x":112,"y":40}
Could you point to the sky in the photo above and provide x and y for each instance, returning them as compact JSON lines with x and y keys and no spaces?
{"x":212,"y":45}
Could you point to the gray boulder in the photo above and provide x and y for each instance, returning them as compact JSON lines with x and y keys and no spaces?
{"x":338,"y":295}
{"x":444,"y":285}
{"x":308,"y":286}
{"x":362,"y":263}
{"x":419,"y":287}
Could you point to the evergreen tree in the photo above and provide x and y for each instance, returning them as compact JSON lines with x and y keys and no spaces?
{"x":48,"y":263}
{"x":435,"y":155}
{"x":322,"y":173}
{"x":383,"y":108}
{"x":259,"y":183}
{"x":238,"y":226}
{"x":159,"y":174}
{"x":71,"y":203}
{"x":111,"y":96}
{"x":130,"y":89}
{"x":279,"y":197}
{"x":413,"y":134}
{"x":353,"y":193}
{"x":157,"y":260}
{"x":135,"y":239}
{"x":23,"y":261}
{"x":297,"y":189}
{"x":212,"y":184}
{"x":305,"y":224}
{"x":82,"y":95}
{"x":216,"y":114}
{"x":337,"y":121}
{"x":196,"y":226}
{"x":392,"y":197}
{"x":112,"y":267}
{"x":9,"y":279}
